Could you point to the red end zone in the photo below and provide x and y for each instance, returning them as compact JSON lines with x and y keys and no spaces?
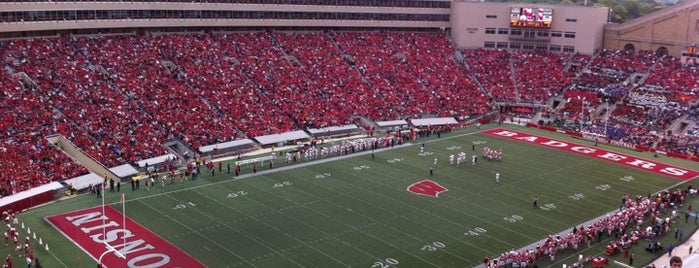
{"x":618,"y":158}
{"x":142,"y":248}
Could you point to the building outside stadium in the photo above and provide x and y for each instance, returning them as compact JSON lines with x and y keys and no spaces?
{"x":651,"y":32}
{"x":567,"y":28}
{"x":472,"y":24}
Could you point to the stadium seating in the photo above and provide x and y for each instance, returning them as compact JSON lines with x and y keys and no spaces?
{"x":492,"y":69}
{"x":531,"y":66}
{"x":120,"y":97}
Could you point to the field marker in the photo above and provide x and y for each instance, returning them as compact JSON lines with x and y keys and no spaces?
{"x":358,"y":229}
{"x":166,"y":215}
{"x":270,"y":171}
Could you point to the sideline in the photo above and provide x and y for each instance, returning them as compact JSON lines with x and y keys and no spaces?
{"x":274,"y":170}
{"x":662,"y":261}
{"x":294,"y":166}
{"x":681,"y":250}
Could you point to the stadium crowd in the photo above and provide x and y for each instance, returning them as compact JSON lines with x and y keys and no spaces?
{"x":119,"y":98}
{"x":640,"y":218}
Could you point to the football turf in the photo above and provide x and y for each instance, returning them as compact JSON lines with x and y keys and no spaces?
{"x":357,"y":211}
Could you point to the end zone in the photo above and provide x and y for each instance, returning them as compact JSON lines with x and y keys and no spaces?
{"x":141,"y":247}
{"x":614,"y":157}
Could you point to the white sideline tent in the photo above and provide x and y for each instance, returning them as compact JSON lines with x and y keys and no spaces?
{"x":282,"y":137}
{"x":433,"y":121}
{"x":82,"y":182}
{"x":393,"y":124}
{"x":156,"y":160}
{"x":333,"y":130}
{"x":52,"y":186}
{"x":226,"y":145}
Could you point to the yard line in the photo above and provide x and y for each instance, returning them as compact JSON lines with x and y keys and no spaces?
{"x":61,"y":262}
{"x":296,"y":166}
{"x":362,"y":189}
{"x":354,"y":228}
{"x":430,"y":201}
{"x":196,"y":232}
{"x":275,"y":170}
{"x":273,"y":227}
{"x":531,"y":246}
{"x":486,"y":193}
{"x":569,"y":230}
{"x":459,"y":239}
{"x":69,"y":239}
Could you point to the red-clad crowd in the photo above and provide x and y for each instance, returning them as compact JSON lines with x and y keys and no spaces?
{"x":320,"y":87}
{"x":412,"y":74}
{"x":120,"y":97}
{"x":639,"y":218}
{"x":232,"y":74}
{"x":531,"y":66}
{"x":492,"y":69}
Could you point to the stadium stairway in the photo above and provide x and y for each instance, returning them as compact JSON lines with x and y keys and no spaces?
{"x":513,"y":77}
{"x":64,"y":145}
{"x":179,"y":148}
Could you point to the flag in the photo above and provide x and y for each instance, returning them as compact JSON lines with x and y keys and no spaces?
{"x":122,"y":198}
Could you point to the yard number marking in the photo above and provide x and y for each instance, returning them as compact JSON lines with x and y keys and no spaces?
{"x":361,"y":167}
{"x":237,"y":194}
{"x":388,"y":262}
{"x":626,"y":178}
{"x":476,"y":231}
{"x":548,"y":206}
{"x":282,"y":184}
{"x":513,"y":218}
{"x":185,"y":205}
{"x":394,"y":160}
{"x":577,"y":196}
{"x":322,"y":175}
{"x":434,"y":246}
{"x":603,"y":187}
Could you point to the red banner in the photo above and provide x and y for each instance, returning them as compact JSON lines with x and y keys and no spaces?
{"x":614,"y":157}
{"x":142,"y":248}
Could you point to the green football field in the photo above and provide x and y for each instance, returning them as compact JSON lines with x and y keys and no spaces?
{"x":357,"y":211}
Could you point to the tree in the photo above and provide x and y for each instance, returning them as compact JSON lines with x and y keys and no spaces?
{"x":621,"y":10}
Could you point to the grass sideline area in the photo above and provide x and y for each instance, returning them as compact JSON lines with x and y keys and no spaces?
{"x":356,"y":211}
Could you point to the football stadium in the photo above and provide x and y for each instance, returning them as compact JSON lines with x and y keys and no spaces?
{"x":347,"y":133}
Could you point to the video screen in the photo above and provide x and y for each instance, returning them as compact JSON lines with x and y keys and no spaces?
{"x":531,"y":17}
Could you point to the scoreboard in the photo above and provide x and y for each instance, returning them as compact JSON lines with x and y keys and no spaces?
{"x":689,"y":55}
{"x":531,"y":17}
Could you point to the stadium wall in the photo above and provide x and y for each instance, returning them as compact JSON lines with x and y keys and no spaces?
{"x":669,"y":30}
{"x":61,"y":16}
{"x":484,"y":24}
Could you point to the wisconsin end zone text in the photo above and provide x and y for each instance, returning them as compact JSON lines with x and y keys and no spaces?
{"x":141,"y":247}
